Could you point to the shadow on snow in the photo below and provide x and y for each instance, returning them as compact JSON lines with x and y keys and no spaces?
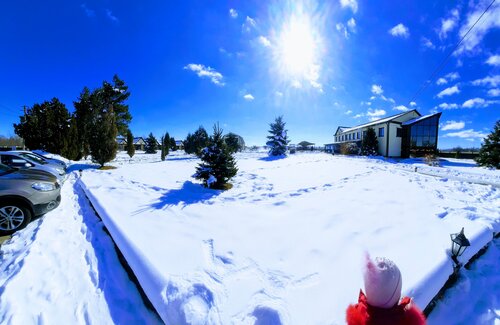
{"x":189,"y":193}
{"x":273,"y":158}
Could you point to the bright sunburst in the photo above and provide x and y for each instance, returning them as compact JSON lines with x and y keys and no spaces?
{"x":298,"y":49}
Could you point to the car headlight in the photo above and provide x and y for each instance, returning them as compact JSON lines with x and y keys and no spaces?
{"x":44,"y":187}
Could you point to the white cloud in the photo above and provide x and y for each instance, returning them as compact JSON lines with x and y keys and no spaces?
{"x":441,"y":81}
{"x":413,"y":104}
{"x":489,"y":21}
{"x":278,"y":94}
{"x":233,"y":13}
{"x":448,"y":106}
{"x":377,"y":90}
{"x":264,"y":41}
{"x":449,"y":77}
{"x":494,"y":60}
{"x":358,"y":116}
{"x":353,"y":4}
{"x":248,"y":97}
{"x":88,"y":12}
{"x":492,"y":81}
{"x":376,"y":113}
{"x":348,"y":112}
{"x":495,"y":92}
{"x":452,"y":76}
{"x":206,"y":72}
{"x":366,"y":103}
{"x":249,"y":24}
{"x":388,"y":99}
{"x":400,"y":30}
{"x":447,"y":25}
{"x":449,"y":91}
{"x":427,"y":43}
{"x":452,"y":125}
{"x":478,"y":102}
{"x":351,"y":23}
{"x":467,"y":134}
{"x":296,"y":84}
{"x":401,"y":108}
{"x":111,"y":17}
{"x":342,"y":29}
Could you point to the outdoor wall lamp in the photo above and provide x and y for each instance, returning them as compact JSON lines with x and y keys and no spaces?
{"x":458,"y":245}
{"x":80,"y":172}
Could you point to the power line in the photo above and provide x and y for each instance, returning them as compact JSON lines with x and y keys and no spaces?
{"x":445,"y":60}
{"x":9,"y":108}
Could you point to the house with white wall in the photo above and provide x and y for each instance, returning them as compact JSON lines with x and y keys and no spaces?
{"x":400,"y":135}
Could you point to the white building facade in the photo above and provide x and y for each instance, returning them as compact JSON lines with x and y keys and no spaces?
{"x":401,"y":135}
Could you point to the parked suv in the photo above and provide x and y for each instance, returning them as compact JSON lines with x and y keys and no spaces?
{"x":25,"y":193}
{"x":52,"y":161}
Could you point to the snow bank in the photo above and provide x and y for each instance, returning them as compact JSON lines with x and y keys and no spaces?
{"x":285,"y":245}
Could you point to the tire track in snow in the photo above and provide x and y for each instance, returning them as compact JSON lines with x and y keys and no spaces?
{"x":68,"y":271}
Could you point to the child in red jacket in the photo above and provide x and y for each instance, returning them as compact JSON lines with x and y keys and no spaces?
{"x":381,"y":304}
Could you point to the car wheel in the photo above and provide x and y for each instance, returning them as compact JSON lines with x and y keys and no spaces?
{"x":13,"y":217}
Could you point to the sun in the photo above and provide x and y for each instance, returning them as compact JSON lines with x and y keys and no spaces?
{"x":297,"y":50}
{"x":296,"y":47}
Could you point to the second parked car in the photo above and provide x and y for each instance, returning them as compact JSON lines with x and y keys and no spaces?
{"x":25,"y":161}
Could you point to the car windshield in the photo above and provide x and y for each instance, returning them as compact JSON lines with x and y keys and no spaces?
{"x":37,"y":155}
{"x":4,"y":170}
{"x":33,"y":158}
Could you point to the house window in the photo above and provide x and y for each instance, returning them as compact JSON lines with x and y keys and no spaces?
{"x":399,"y":132}
{"x":358,"y":135}
{"x":364,"y":134}
{"x":349,"y":136}
{"x":380,"y":132}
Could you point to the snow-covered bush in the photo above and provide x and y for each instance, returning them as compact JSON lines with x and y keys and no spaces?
{"x":218,"y":165}
{"x":278,"y":140}
{"x":349,"y":148}
{"x":431,"y":160}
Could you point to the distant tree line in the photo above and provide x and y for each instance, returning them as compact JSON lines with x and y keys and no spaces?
{"x":99,"y":116}
{"x":12,"y":141}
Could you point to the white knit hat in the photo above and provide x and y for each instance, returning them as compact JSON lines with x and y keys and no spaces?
{"x":382,"y":282}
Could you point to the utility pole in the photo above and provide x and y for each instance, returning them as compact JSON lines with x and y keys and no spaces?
{"x":23,"y":119}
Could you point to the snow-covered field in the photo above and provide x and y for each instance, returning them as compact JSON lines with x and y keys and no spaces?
{"x":284,"y":246}
{"x":286,"y":243}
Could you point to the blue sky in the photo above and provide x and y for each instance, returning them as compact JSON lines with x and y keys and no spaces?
{"x":320,"y":64}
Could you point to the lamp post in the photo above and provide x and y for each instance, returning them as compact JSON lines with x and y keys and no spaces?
{"x":458,"y":245}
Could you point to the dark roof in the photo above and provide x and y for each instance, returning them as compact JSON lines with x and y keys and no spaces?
{"x":380,"y":120}
{"x":421,"y":118}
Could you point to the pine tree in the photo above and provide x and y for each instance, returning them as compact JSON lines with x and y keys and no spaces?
{"x":117,"y":93}
{"x":195,"y":142}
{"x":218,"y":165}
{"x":369,"y":145}
{"x":165,"y":146}
{"x":151,"y":144}
{"x":278,"y":140}
{"x":489,"y":154}
{"x":72,"y":148}
{"x":103,"y":145}
{"x":172,"y":144}
{"x":130,"y":144}
{"x":84,"y":115}
{"x":45,"y":126}
{"x":234,"y":142}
